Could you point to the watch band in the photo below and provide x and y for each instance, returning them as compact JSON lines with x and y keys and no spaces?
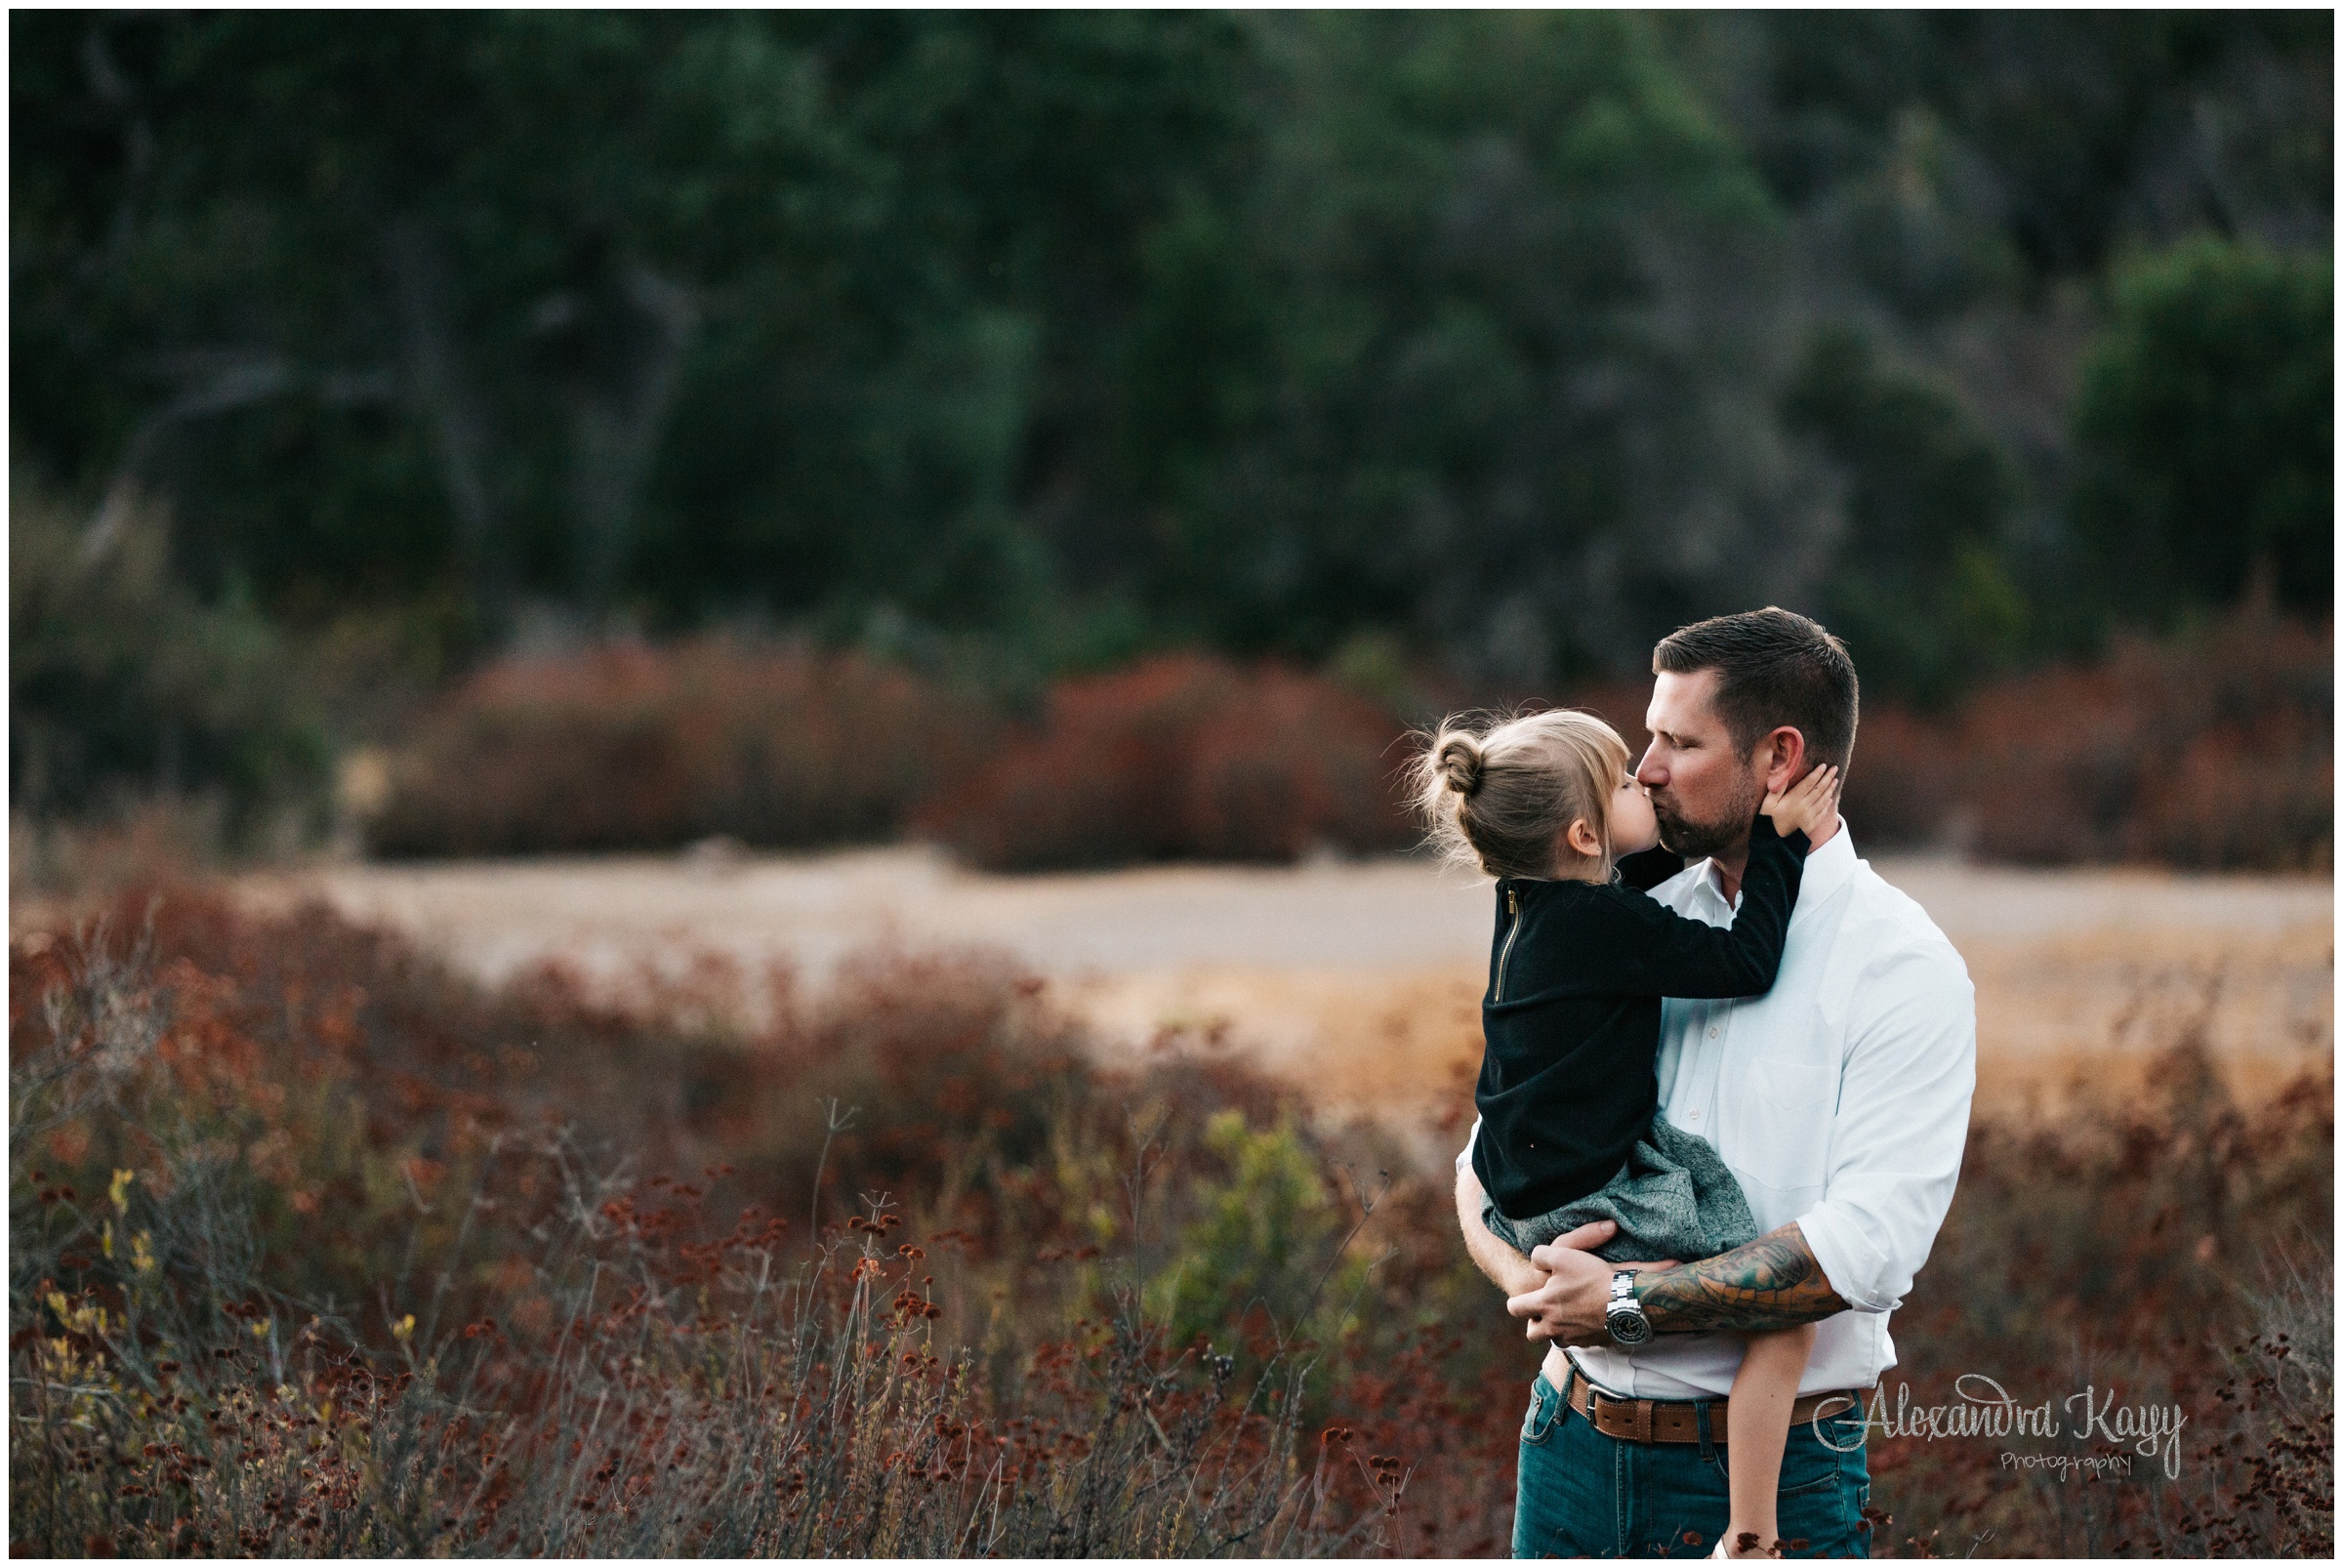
{"x":1624,"y":1317}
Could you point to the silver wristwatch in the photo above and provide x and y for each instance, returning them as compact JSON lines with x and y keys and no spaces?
{"x":1624,"y":1316}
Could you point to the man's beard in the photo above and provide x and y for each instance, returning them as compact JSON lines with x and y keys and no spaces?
{"x":1725,"y":835}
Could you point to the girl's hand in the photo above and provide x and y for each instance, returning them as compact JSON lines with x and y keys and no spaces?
{"x":1806,"y":805}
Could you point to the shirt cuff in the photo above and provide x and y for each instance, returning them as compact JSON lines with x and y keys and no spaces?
{"x":1464,"y":1155}
{"x":1850,"y":1263}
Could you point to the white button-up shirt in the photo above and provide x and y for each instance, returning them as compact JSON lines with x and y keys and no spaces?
{"x":1840,"y":1100}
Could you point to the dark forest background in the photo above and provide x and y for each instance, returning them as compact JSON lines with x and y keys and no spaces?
{"x":1455,"y":352}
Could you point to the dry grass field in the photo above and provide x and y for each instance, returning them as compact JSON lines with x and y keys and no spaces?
{"x":1359,"y":980}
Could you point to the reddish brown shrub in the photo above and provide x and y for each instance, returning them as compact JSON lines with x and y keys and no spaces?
{"x":261,"y":1162}
{"x":2215,"y":751}
{"x":2168,"y":1249}
{"x":1183,"y":756}
{"x":1905,"y":784}
{"x":635,"y":747}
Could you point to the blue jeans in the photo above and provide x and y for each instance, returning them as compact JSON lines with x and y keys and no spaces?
{"x":1584,"y":1495}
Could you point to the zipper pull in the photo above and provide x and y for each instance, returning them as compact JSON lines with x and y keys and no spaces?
{"x":1512,"y":903}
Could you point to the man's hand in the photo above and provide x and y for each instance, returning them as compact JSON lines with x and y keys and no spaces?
{"x":1507,"y":1268}
{"x":1772,"y":1282}
{"x":1568,"y":1306}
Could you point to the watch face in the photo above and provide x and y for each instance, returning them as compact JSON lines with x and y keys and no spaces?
{"x":1627,"y":1328}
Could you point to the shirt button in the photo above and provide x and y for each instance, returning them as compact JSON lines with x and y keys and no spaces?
{"x":1696,"y":1116}
{"x":1712,"y":1031}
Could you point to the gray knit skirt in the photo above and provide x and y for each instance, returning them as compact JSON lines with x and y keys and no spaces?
{"x":1674,"y":1198}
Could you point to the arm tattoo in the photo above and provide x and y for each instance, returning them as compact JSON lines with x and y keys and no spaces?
{"x":1772,"y":1282}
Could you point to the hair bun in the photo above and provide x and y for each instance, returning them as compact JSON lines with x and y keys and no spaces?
{"x":1459,"y":764}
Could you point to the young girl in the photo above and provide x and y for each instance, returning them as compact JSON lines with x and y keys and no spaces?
{"x":1570,"y":1131}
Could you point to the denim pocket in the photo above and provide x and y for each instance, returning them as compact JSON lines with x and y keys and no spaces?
{"x":1826,"y":1510}
{"x":1546,"y":1407}
{"x":1829,"y":1481}
{"x":1797,"y":1476}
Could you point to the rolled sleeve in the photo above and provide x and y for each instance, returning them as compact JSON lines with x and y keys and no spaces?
{"x":1903,"y":1122}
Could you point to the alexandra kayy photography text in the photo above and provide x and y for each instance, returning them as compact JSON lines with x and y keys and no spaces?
{"x":1984,"y":1408}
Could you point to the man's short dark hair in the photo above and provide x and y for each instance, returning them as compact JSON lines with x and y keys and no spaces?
{"x":1774,"y":668}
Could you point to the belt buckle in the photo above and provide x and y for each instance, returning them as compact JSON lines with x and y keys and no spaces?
{"x":1628,"y":1420}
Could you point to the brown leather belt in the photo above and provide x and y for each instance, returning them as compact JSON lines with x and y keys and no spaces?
{"x":1677,"y":1421}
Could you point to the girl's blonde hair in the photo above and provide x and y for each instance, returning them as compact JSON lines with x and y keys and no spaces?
{"x":1500,"y":796}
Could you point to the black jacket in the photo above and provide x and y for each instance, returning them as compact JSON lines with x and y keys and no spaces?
{"x":1572,"y":1020}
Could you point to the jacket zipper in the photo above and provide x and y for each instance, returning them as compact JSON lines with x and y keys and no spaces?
{"x":1513,"y":908}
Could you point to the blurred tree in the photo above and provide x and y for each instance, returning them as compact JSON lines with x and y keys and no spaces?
{"x":957,"y":460}
{"x":2204,"y":431}
{"x":1064,"y":335}
{"x":1516,"y":404}
{"x":372,"y":256}
{"x":872,"y":264}
{"x":2067,"y":131}
{"x":1921,"y":590}
{"x":123,"y":684}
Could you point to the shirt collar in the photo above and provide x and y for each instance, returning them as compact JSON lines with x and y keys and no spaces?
{"x":1827,"y":870}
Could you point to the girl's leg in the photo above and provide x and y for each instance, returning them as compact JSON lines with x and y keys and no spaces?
{"x":1756,"y":1428}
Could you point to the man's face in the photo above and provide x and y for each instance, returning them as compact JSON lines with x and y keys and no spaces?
{"x":1704,"y":790}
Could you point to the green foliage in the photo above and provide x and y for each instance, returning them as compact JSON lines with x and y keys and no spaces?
{"x":122,"y":682}
{"x":1070,"y":337}
{"x":1923,"y":593}
{"x":2205,"y":429}
{"x":1257,"y":1251}
{"x":696,"y":312}
{"x":1503,"y":255}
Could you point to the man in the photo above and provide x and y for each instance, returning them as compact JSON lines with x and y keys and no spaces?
{"x":1840,"y":1100}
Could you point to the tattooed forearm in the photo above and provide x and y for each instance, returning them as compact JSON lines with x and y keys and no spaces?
{"x":1772,"y":1282}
